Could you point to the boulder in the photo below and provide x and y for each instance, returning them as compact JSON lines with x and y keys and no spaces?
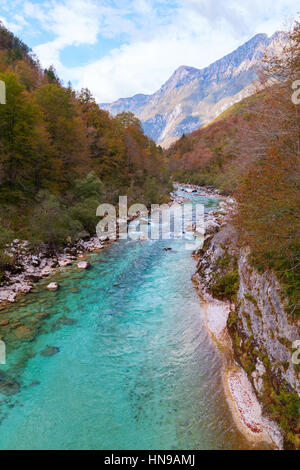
{"x":83,"y":265}
{"x":52,"y":286}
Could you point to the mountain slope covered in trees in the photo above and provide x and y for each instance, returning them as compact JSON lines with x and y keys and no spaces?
{"x":61,"y":155}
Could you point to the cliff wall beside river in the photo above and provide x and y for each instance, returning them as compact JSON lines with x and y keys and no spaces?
{"x":262,"y":332}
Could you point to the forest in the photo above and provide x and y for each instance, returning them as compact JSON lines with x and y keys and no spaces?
{"x":61,"y":155}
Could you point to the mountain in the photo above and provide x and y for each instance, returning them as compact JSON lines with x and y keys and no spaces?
{"x":193,"y":97}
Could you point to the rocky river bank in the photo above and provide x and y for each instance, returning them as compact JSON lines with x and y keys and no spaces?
{"x":29,"y":266}
{"x":246,"y":316}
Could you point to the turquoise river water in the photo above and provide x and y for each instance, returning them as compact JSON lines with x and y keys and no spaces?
{"x":136,"y":369}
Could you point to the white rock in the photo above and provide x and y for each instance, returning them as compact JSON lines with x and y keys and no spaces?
{"x":12,"y":297}
{"x":52,"y":286}
{"x":4,"y":294}
{"x":83,"y":265}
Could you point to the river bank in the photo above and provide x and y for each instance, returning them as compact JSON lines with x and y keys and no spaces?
{"x":242,"y":400}
{"x":29,"y":266}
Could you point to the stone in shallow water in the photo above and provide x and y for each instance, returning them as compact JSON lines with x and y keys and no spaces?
{"x":34,"y":383}
{"x":41,"y":315}
{"x":25,"y":333}
{"x":8,"y":386}
{"x":66,"y":321}
{"x":83,"y":265}
{"x":50,"y":351}
{"x":52,"y":286}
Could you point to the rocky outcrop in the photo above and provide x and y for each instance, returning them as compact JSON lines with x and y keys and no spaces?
{"x":262,"y":316}
{"x":262,"y":332}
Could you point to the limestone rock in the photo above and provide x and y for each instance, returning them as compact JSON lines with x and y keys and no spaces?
{"x":52,"y":286}
{"x":83,"y":265}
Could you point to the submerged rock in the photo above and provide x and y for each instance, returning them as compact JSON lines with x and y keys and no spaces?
{"x":41,"y":316}
{"x":8,"y":386}
{"x":25,"y":333}
{"x":50,"y":351}
{"x":66,"y":321}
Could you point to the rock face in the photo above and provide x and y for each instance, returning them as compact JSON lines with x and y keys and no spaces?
{"x":262,"y":331}
{"x":262,"y":315}
{"x":193,"y":97}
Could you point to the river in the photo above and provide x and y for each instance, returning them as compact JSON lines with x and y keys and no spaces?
{"x":136,"y":369}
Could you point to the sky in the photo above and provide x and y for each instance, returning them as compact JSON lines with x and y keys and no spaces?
{"x":118,"y":48}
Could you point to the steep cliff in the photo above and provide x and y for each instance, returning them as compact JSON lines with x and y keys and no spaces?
{"x":261,"y":330}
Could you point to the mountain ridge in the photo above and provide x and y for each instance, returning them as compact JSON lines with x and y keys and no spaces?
{"x":192,"y":97}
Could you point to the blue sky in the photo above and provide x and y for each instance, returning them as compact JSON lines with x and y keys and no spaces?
{"x":118,"y":48}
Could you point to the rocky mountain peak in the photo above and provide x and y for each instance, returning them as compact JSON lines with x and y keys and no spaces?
{"x":193,"y":97}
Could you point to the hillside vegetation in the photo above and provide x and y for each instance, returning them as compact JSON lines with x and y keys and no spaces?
{"x":61,"y":155}
{"x":253,"y":152}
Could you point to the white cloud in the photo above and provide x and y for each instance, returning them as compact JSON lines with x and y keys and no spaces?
{"x":71,"y":22}
{"x":157,"y":36}
{"x":142,"y":67}
{"x":14,"y":27}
